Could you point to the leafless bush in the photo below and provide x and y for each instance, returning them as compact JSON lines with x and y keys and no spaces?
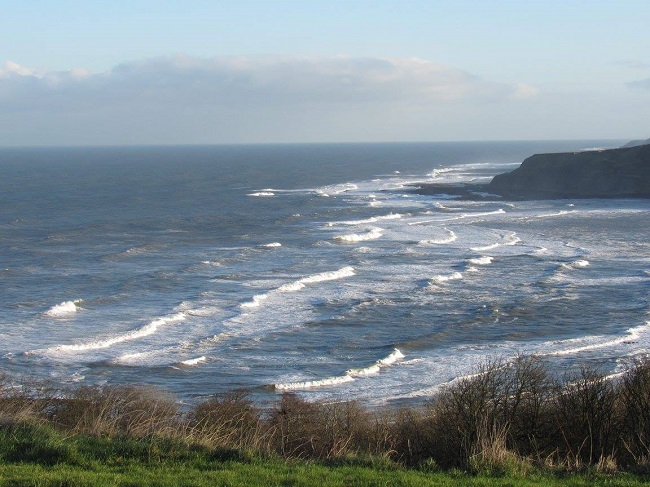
{"x":504,"y":397}
{"x":585,"y":419}
{"x":634,"y":393}
{"x":317,"y":430}
{"x":230,"y":421}
{"x":133,"y":411}
{"x":501,"y":419}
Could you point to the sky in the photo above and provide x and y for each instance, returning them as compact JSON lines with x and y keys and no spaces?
{"x":276,"y":71}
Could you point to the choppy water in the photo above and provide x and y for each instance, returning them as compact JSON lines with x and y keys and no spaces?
{"x":306,"y":267}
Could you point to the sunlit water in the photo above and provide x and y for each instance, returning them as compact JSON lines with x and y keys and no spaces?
{"x":311,"y":268}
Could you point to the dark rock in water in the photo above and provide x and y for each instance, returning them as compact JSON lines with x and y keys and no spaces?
{"x":614,"y":173}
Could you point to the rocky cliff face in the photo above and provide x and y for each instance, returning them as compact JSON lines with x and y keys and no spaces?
{"x":615,"y":173}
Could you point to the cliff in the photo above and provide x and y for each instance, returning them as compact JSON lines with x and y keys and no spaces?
{"x":615,"y":173}
{"x":634,"y":143}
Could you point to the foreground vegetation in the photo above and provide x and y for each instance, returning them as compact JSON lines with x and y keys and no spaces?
{"x":509,"y":424}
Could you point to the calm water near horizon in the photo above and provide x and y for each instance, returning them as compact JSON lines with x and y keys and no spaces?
{"x":311,"y":268}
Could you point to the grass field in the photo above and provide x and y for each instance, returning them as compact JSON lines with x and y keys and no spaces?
{"x":33,"y":455}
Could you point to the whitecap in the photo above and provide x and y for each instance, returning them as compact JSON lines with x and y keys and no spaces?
{"x":576,"y":264}
{"x":300,"y":284}
{"x":483,"y":260}
{"x":631,"y":335}
{"x":440,"y":278}
{"x":349,"y":376}
{"x":193,"y":361}
{"x":372,"y":234}
{"x":255,"y":302}
{"x":262,"y":194}
{"x":148,"y":329}
{"x":390,"y":216}
{"x":66,"y":308}
{"x":451,"y":237}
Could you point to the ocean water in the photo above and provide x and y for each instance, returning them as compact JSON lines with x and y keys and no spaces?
{"x":310,"y":268}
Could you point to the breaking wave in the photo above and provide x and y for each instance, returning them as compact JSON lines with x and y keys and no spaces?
{"x":390,"y":216}
{"x":301,"y":283}
{"x":148,"y":329}
{"x":262,"y":194}
{"x":349,"y":376}
{"x":373,"y":234}
{"x":576,"y":264}
{"x":440,"y":278}
{"x":483,"y":260}
{"x":508,"y":240}
{"x":631,"y":335}
{"x":451,"y":236}
{"x":66,"y":308}
{"x":193,"y":361}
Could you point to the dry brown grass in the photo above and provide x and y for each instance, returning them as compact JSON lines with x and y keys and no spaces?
{"x":503,"y":419}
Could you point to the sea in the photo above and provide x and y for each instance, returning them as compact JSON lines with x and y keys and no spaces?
{"x":310,"y":268}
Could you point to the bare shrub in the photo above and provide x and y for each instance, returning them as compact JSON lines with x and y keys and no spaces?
{"x":634,"y":393}
{"x":133,"y":411}
{"x":316,"y":430}
{"x":586,"y":421}
{"x":230,"y":421}
{"x":500,"y":396}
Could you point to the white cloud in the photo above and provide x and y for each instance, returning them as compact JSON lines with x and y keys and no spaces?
{"x":11,"y":68}
{"x":183,"y":99}
{"x":229,"y":81}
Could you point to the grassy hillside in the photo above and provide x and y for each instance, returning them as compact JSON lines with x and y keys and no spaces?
{"x":40,"y":456}
{"x":509,"y":424}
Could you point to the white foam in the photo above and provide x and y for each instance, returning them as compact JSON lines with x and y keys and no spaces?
{"x":330,"y":381}
{"x":463,"y":216}
{"x":193,"y":361}
{"x":437,"y":172}
{"x":336,"y":189}
{"x":372,"y":234}
{"x":255,"y":302}
{"x":451,"y":236}
{"x":349,"y":376}
{"x":576,"y":264}
{"x":262,"y":194}
{"x":390,"y":216}
{"x":509,"y":240}
{"x":440,"y":278}
{"x":300,"y":284}
{"x":148,"y":329}
{"x":66,"y":308}
{"x":560,"y":213}
{"x":483,"y":260}
{"x":631,"y":334}
{"x":486,"y":247}
{"x":272,"y":245}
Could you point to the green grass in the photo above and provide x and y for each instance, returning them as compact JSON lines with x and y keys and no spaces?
{"x":40,"y":456}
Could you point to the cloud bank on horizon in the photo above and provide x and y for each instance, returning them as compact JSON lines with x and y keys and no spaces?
{"x":183,"y":99}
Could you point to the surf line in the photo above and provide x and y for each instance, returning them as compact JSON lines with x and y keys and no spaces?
{"x":301,"y":283}
{"x":349,"y":376}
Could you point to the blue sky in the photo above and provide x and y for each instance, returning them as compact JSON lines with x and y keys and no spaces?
{"x":141,"y":72}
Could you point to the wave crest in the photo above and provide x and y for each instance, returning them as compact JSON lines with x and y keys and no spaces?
{"x":372,"y":234}
{"x":66,"y":308}
{"x":350,"y":375}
